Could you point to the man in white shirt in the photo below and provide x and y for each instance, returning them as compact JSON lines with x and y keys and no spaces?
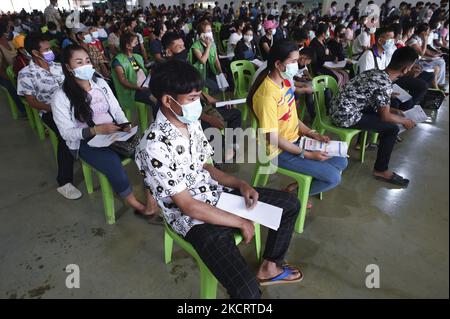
{"x":375,"y":57}
{"x":37,"y":83}
{"x":51,"y":13}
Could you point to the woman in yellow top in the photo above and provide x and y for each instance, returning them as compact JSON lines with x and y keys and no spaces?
{"x":272,"y":99}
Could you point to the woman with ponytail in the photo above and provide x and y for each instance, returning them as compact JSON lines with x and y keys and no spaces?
{"x":85,"y":107}
{"x":272,"y":100}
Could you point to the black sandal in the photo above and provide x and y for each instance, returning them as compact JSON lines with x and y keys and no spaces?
{"x":395,"y":179}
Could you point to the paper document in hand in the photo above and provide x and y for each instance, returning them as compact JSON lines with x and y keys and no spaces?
{"x":264,"y":214}
{"x":107,"y":140}
{"x":222,"y":82}
{"x":403,"y":96}
{"x":332,"y":148}
{"x":231,"y":102}
{"x":416,"y":114}
{"x":332,"y":65}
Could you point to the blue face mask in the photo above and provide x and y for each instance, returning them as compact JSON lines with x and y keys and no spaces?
{"x":84,"y":72}
{"x":191,"y":111}
{"x":87,"y":39}
{"x":388,"y":45}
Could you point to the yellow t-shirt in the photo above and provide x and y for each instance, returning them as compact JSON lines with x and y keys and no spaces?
{"x":276,"y":111}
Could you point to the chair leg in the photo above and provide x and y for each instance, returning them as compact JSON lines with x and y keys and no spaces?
{"x":244,"y":112}
{"x":87,"y":173}
{"x":208,"y":283}
{"x":168,"y":247}
{"x":54,"y":141}
{"x":374,"y":139}
{"x":108,"y":198}
{"x":30,"y":116}
{"x":13,"y":106}
{"x":39,"y":126}
{"x":363,"y":146}
{"x":303,"y":194}
{"x":258,"y":241}
{"x":143,"y":117}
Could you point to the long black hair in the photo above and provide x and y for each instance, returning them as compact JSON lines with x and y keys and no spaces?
{"x":280,"y":51}
{"x":79,"y":99}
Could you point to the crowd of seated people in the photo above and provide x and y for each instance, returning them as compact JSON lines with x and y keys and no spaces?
{"x":83,"y":79}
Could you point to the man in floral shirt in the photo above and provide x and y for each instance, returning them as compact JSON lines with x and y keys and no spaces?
{"x":172,"y":157}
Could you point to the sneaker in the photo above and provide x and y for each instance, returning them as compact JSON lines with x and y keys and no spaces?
{"x":69,"y":191}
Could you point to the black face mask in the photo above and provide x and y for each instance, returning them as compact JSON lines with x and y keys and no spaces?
{"x":181,"y":56}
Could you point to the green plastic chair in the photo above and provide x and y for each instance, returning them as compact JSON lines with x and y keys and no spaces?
{"x":304,"y":184}
{"x":54,"y":43}
{"x":217,"y":26}
{"x":302,"y":106}
{"x":106,"y":188}
{"x":128,"y":110}
{"x":208,"y":282}
{"x":303,"y":181}
{"x":224,"y":46}
{"x":39,"y":124}
{"x":322,"y":122}
{"x":12,"y":104}
{"x":29,"y":113}
{"x":242,"y":71}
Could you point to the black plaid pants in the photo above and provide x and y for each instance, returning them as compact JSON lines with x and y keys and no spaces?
{"x":216,"y":247}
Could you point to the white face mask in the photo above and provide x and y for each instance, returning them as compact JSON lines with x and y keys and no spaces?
{"x":84,"y":72}
{"x":274,"y":31}
{"x":209,"y":35}
{"x":248,"y":38}
{"x":259,"y":27}
{"x":291,"y":71}
{"x":285,"y":24}
{"x":191,"y":111}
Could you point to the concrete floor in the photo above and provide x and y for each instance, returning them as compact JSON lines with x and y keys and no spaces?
{"x":404,"y":231}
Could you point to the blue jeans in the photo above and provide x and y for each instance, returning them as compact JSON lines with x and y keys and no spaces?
{"x":108,"y":162}
{"x":326,"y":175}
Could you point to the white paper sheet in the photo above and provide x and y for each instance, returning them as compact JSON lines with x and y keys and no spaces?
{"x":228,"y":56}
{"x":332,"y":148}
{"x":257,"y":62}
{"x":264,"y":214}
{"x":231,"y":102}
{"x":332,"y":65}
{"x":147,"y":81}
{"x":107,"y":140}
{"x":403,"y":95}
{"x":222,"y":82}
{"x":416,"y":114}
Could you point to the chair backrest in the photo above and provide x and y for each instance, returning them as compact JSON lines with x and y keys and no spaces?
{"x":217,"y":26}
{"x":350,"y":50}
{"x":224,"y":46}
{"x":11,"y":75}
{"x":242,"y":71}
{"x":320,"y":84}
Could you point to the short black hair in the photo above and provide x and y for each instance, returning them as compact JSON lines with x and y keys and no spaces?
{"x":169,"y":37}
{"x":310,"y":53}
{"x":4,"y":27}
{"x":125,"y":39}
{"x":33,"y":42}
{"x":300,"y":34}
{"x":383,"y":30}
{"x":174,"y":77}
{"x":402,"y":58}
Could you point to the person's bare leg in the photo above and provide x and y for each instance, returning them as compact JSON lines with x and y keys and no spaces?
{"x":269,"y":269}
{"x":386,"y":174}
{"x":151,"y":206}
{"x":132,"y":201}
